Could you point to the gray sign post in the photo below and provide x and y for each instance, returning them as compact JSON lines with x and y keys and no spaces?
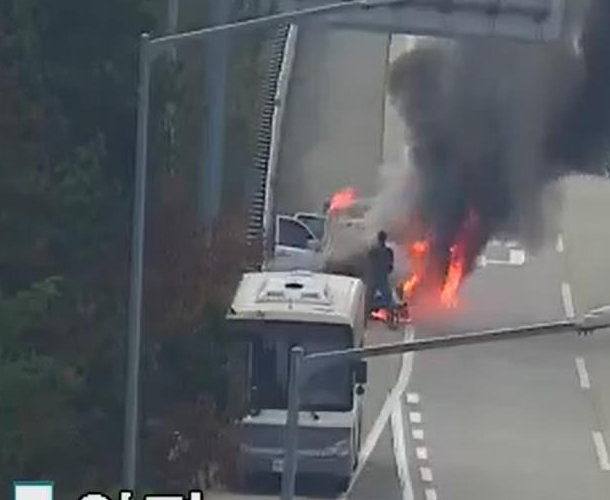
{"x":137,"y":261}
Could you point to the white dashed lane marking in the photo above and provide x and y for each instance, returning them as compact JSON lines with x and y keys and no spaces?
{"x":516,"y":257}
{"x":412,"y":398}
{"x":415,"y":417}
{"x":602,"y":451}
{"x":583,"y":374}
{"x":421,"y":452}
{"x":559,"y":245}
{"x":581,"y":367}
{"x":431,"y":494}
{"x":566,"y":297}
{"x":426,"y":474}
{"x":418,"y":434}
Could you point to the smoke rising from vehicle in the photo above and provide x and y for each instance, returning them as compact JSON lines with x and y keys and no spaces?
{"x":491,"y":123}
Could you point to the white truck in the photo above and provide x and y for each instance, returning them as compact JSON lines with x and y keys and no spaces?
{"x":270,"y":313}
{"x":310,"y":294}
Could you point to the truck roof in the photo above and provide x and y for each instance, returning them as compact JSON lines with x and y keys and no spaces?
{"x":298,"y":296}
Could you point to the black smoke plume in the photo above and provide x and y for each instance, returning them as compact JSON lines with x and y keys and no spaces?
{"x":492,"y":123}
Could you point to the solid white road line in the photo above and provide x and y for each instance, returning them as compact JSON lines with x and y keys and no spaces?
{"x":559,"y":246}
{"x":568,"y":304}
{"x":400,"y":452}
{"x":430,"y":494}
{"x":602,"y":451}
{"x":415,"y":417}
{"x":418,"y":434}
{"x":421,"y":452}
{"x":391,"y":401}
{"x":412,"y":398}
{"x":425,"y":474}
{"x":583,"y":374}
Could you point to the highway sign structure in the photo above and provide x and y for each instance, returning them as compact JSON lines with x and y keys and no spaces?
{"x":524,"y":20}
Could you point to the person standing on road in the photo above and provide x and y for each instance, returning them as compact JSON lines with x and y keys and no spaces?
{"x":380,"y":265}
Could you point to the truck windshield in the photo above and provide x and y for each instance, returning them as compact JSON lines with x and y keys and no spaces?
{"x":325,"y":385}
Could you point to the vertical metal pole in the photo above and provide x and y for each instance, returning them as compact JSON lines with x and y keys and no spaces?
{"x":292,"y":425}
{"x":216,"y":67}
{"x":136,"y":278}
{"x":173,"y":10}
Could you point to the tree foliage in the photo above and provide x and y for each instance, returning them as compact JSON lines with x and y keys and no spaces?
{"x":67,"y":83}
{"x":67,"y":128}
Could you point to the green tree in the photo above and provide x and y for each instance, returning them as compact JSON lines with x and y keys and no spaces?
{"x":67,"y":118}
{"x":67,"y":127}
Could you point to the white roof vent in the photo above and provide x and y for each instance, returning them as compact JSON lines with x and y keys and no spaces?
{"x":296,"y":287}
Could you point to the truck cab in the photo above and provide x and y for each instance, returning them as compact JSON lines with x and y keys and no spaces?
{"x":271,"y":313}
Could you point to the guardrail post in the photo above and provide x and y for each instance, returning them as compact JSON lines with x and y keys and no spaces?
{"x":292,"y":425}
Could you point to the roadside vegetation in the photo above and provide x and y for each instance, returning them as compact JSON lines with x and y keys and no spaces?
{"x":68,"y":77}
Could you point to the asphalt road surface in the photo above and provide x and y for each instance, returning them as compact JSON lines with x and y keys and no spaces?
{"x":526,"y":419}
{"x":516,"y":419}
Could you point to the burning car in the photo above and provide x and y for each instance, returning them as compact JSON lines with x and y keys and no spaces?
{"x":427,"y":268}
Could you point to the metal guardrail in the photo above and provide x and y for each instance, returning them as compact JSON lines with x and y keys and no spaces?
{"x":261,"y":183}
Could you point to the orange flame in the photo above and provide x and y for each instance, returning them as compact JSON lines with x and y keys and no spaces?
{"x":417,"y":255}
{"x":343,"y":199}
{"x":457,"y":261}
{"x":409,"y":286}
{"x":420,"y":248}
{"x":380,"y":315}
{"x":453,"y":280}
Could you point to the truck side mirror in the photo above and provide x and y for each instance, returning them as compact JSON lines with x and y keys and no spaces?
{"x":361,"y":372}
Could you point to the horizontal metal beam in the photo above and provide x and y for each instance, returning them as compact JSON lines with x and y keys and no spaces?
{"x":457,"y":340}
{"x":528,"y":21}
{"x":273,"y":20}
{"x":493,"y":9}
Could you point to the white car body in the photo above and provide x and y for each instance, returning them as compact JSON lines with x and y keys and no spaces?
{"x":295,"y":246}
{"x":336,"y":242}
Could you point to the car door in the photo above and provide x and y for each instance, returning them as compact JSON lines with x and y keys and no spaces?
{"x":295,"y":246}
{"x":315,"y":222}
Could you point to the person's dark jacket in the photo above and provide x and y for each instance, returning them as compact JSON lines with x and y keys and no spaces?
{"x":381,"y":261}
